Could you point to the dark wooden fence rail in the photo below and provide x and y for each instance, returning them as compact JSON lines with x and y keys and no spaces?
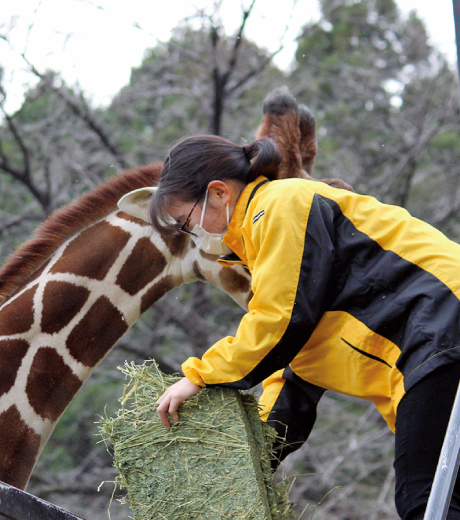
{"x":19,"y":505}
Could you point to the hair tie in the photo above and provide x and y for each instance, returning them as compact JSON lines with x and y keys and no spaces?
{"x":246,"y":152}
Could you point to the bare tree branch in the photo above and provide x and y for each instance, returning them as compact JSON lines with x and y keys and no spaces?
{"x":18,"y":220}
{"x":220,"y":80}
{"x":17,"y":136}
{"x":83,"y":113}
{"x":24,"y":175}
{"x":253,"y":72}
{"x":237,"y":44}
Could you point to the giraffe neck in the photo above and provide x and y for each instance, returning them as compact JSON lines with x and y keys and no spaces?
{"x":67,"y":316}
{"x":57,"y":323}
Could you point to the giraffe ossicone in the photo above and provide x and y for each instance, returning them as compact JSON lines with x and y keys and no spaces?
{"x":69,"y":294}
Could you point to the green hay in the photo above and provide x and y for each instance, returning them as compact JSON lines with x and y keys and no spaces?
{"x":213,"y":465}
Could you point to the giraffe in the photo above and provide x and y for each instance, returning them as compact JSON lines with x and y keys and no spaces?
{"x":74,"y":300}
{"x":90,"y":271}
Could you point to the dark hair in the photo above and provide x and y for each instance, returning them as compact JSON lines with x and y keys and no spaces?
{"x":196,"y":161}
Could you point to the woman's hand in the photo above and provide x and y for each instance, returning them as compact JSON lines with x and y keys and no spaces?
{"x":174,"y":396}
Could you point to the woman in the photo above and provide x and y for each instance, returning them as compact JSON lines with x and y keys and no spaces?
{"x":350,"y":295}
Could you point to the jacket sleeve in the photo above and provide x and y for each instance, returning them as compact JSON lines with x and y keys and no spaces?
{"x":290,"y":254}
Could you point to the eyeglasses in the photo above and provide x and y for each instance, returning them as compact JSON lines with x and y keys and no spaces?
{"x":184,"y":228}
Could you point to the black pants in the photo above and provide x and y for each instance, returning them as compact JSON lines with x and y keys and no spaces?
{"x":422,"y":418}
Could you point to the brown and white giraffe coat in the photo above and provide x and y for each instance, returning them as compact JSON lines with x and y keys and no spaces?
{"x":60,"y":323}
{"x":91,"y":270}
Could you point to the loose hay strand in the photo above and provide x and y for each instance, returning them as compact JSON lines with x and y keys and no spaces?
{"x":213,"y":465}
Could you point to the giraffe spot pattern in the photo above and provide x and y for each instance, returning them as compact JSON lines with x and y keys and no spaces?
{"x":97,"y":332}
{"x":71,"y":299}
{"x":12,"y":352}
{"x":158,"y":290}
{"x":207,"y":256}
{"x":233,"y":282}
{"x":143,"y":265}
{"x":36,"y":274}
{"x":130,"y":218}
{"x":13,"y":321}
{"x":176,"y":244}
{"x":92,"y":252}
{"x":19,"y":447}
{"x":51,"y":384}
{"x":197,"y":271}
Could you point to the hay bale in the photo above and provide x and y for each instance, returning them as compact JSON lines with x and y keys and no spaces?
{"x":213,"y":465}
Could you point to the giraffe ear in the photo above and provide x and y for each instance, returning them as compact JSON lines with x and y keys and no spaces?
{"x":136,"y":203}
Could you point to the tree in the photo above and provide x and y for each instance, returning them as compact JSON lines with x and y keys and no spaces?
{"x":383,"y":97}
{"x":51,"y":150}
{"x":56,"y":146}
{"x":177,"y":90}
{"x":200,"y":81}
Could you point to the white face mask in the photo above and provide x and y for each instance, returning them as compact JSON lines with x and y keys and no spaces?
{"x":210,"y":243}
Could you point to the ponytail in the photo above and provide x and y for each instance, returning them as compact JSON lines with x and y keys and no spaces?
{"x":264,"y":157}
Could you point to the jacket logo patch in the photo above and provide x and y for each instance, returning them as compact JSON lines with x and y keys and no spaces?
{"x":257,"y":217}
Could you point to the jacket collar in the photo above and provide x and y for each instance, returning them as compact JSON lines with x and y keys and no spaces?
{"x":233,"y":238}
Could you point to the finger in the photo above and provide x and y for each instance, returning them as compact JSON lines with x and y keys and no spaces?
{"x":161,"y":411}
{"x":163,"y":396}
{"x":173,"y":407}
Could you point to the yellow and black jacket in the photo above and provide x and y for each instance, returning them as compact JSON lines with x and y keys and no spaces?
{"x":350,"y":295}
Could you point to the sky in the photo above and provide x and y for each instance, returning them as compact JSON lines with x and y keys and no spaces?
{"x":95,"y":43}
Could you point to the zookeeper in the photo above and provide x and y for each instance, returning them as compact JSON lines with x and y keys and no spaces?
{"x":350,"y":295}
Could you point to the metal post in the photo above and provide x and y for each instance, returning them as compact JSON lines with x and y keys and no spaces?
{"x":446,"y":472}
